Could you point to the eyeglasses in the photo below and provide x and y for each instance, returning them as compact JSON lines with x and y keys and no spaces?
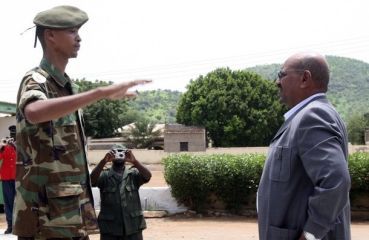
{"x":282,"y":74}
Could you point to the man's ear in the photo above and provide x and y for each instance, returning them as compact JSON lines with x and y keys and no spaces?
{"x":306,"y":80}
{"x":49,"y":35}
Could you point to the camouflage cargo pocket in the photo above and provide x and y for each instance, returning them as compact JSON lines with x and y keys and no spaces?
{"x":64,"y":204}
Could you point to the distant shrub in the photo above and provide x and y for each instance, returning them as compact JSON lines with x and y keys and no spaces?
{"x":232,"y":178}
{"x":359,"y":171}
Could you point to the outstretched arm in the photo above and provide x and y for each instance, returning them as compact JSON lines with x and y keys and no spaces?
{"x":49,"y":109}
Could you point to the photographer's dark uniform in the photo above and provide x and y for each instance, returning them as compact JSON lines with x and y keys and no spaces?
{"x":121,"y":216}
{"x":121,"y":213}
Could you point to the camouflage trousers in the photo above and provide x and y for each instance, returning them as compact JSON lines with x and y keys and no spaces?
{"x":74,"y":238}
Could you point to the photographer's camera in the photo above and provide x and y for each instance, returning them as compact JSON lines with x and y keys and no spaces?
{"x":120,"y":154}
{"x":6,"y":141}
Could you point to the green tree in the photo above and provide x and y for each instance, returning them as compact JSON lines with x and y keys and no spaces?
{"x":356,"y":128}
{"x":142,"y":134}
{"x":237,"y":108}
{"x":105,"y":116}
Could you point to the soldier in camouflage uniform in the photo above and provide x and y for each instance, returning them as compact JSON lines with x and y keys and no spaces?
{"x":53,"y":190}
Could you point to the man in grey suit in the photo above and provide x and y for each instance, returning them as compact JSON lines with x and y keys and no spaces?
{"x":304,"y":189}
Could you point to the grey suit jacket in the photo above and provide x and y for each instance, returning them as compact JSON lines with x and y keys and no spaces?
{"x":305,"y":182}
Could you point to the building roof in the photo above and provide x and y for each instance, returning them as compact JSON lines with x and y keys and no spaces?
{"x":179,"y":128}
{"x":7,"y":108}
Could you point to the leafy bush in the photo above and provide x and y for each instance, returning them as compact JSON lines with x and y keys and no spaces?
{"x":359,"y":171}
{"x":189,"y":177}
{"x":234,"y":179}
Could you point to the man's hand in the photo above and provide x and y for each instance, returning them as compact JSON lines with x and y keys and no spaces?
{"x":109,"y":157}
{"x":130,"y":157}
{"x":98,"y":169}
{"x":146,"y":174}
{"x":120,"y":90}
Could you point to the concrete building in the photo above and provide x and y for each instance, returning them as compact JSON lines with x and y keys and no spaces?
{"x":367,"y":136}
{"x":180,"y":138}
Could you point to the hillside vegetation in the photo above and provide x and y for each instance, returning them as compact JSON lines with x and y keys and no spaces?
{"x":348,"y":87}
{"x":157,"y":105}
{"x":348,"y":90}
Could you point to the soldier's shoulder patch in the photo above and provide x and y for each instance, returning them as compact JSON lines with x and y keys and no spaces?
{"x":38,"y":77}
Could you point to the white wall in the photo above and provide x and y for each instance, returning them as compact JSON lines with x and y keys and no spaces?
{"x":152,"y":198}
{"x":155,"y":156}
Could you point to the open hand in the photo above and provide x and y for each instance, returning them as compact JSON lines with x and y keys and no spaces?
{"x":120,"y":90}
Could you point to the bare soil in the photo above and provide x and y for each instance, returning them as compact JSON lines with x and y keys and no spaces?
{"x":157,"y":179}
{"x":197,"y":227}
{"x":181,"y":227}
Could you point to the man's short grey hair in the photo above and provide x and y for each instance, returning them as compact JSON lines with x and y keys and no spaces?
{"x":318,"y":68}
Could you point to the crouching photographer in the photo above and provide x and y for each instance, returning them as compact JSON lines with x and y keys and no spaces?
{"x":121,"y":216}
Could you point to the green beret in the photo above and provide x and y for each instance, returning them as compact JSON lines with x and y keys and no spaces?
{"x":61,"y":17}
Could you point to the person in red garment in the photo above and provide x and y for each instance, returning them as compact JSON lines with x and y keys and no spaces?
{"x":7,"y":173}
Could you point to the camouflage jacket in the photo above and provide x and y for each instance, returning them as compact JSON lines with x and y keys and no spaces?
{"x":121,"y":211}
{"x":53,"y":191}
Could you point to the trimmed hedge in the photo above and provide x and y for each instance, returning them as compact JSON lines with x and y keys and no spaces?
{"x":233,"y":179}
{"x":359,"y":171}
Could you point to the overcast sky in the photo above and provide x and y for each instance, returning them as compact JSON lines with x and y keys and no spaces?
{"x":173,"y":41}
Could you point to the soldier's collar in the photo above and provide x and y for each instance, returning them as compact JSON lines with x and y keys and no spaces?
{"x":125,"y":172}
{"x":54,"y":72}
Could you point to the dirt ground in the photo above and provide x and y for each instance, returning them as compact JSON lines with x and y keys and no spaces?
{"x":219,"y":228}
{"x":157,"y":179}
{"x":181,"y":227}
{"x":204,"y":228}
